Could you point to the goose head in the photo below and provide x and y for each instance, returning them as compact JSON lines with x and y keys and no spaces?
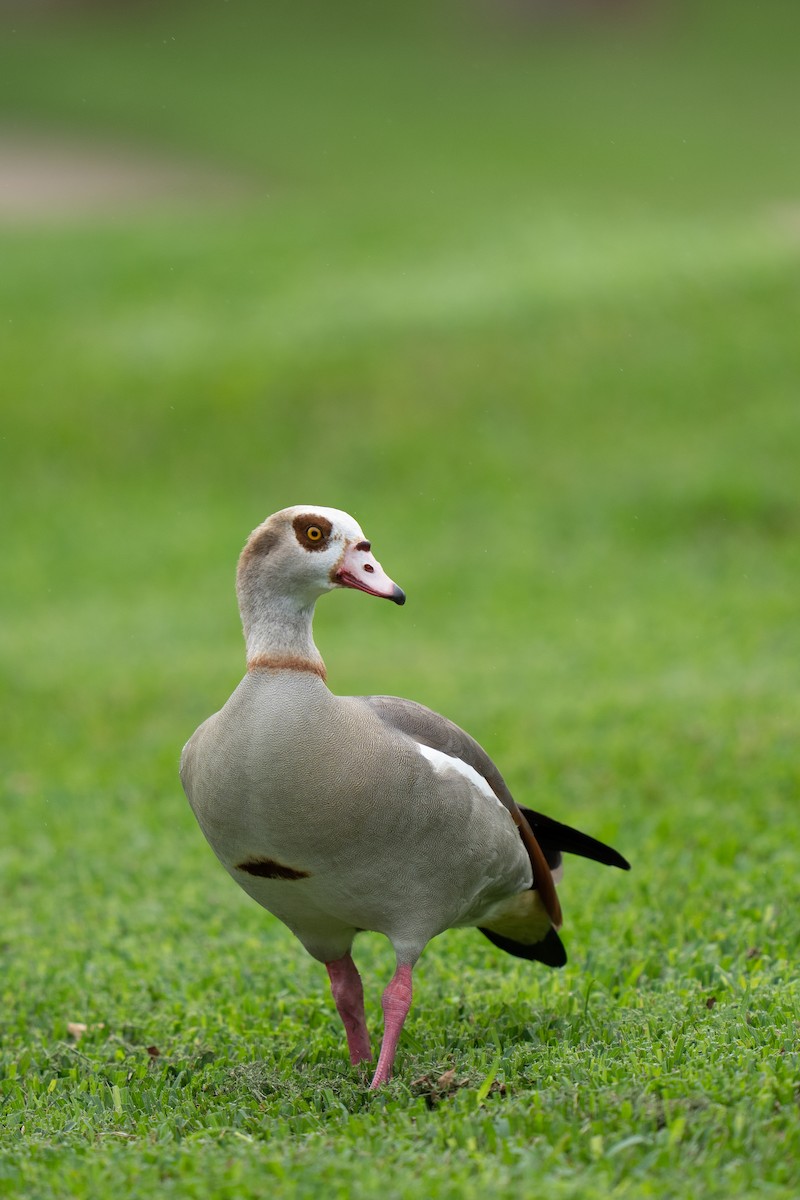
{"x":293,"y":558}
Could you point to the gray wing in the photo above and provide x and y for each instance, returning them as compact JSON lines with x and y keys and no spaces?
{"x":428,"y":727}
{"x":431,"y":729}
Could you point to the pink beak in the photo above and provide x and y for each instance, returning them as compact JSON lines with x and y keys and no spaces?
{"x":357,"y":568}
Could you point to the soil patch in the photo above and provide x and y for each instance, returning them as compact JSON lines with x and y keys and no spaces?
{"x":52,"y":179}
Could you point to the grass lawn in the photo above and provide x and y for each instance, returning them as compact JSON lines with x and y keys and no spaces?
{"x":524,"y":299}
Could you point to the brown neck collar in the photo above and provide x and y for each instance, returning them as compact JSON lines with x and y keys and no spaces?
{"x":286,"y":662}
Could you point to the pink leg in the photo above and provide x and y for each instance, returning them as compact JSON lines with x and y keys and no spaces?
{"x":396,"y":1003}
{"x":349,"y":996}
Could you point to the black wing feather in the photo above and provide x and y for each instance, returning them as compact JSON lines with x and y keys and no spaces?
{"x":554,"y":837}
{"x":550,"y":950}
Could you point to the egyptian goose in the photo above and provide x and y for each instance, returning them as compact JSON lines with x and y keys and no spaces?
{"x":348,"y":813}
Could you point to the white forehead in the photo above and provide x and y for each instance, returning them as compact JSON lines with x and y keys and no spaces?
{"x":343,"y":524}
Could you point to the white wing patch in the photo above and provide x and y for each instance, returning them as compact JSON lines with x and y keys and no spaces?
{"x":443,"y":763}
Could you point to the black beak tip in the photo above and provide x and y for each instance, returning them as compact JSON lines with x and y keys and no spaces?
{"x":398,"y":595}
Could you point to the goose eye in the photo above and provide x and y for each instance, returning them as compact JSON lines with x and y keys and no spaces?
{"x":313,"y":532}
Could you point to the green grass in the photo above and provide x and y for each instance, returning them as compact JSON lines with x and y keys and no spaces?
{"x":527,"y":306}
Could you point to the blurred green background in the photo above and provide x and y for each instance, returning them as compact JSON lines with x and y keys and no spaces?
{"x":517,"y":285}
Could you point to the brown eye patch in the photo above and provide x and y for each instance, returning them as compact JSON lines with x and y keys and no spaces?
{"x":311,"y":531}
